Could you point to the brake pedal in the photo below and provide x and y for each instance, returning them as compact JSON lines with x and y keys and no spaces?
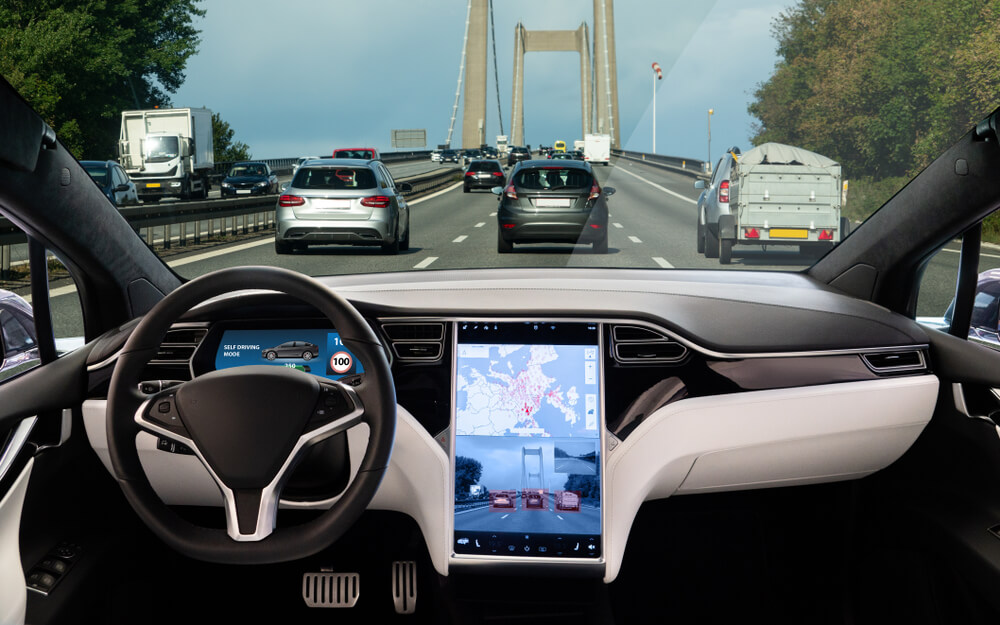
{"x":404,"y":586}
{"x":331,"y":590}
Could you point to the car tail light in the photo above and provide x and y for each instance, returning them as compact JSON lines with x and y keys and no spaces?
{"x":595,"y":191}
{"x":498,"y":173}
{"x":376,"y":201}
{"x":510,"y":191}
{"x":470,"y":173}
{"x":826,"y":235}
{"x":290,"y":200}
{"x":751,"y":233}
{"x":595,"y":226}
{"x":508,"y":226}
{"x":724,"y":191}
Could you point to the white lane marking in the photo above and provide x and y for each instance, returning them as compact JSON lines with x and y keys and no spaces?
{"x":434,"y":195}
{"x":664,"y":189}
{"x":213,"y":254}
{"x":560,"y":518}
{"x":493,"y":214}
{"x":662,"y":262}
{"x":945,"y":249}
{"x":480,"y":224}
{"x":617,"y":225}
{"x":634,"y":239}
{"x":460,"y":238}
{"x":505,"y":516}
{"x":425,"y":262}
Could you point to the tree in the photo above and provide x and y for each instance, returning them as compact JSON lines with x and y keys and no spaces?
{"x":882,"y":86}
{"x":226,"y":151}
{"x":467,"y":472}
{"x":587,"y":485}
{"x":80,"y":63}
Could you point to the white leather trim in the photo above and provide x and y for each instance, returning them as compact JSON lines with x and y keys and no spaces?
{"x":13,"y":592}
{"x":416,"y":482}
{"x":762,"y":438}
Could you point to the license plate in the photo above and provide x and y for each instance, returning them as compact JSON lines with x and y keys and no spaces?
{"x":331,"y":204}
{"x":545,"y":202}
{"x":152,"y":185}
{"x":788,"y":233}
{"x":242,"y":191}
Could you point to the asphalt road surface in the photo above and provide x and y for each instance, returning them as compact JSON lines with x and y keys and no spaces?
{"x":548,"y":521}
{"x":652,"y":225}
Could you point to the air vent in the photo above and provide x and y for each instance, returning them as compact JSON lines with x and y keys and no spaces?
{"x":635,"y":344}
{"x":895,"y":362}
{"x":178,"y":346}
{"x":416,"y":342}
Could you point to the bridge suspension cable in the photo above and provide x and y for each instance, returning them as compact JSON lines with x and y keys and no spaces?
{"x":496,"y":75}
{"x":461,"y":72}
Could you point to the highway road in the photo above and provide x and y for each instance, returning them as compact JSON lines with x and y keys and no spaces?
{"x":550,"y":521}
{"x":652,"y":225}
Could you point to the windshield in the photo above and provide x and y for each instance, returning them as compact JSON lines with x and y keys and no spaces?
{"x":694,"y":119}
{"x":160,"y":149}
{"x":247,"y":170}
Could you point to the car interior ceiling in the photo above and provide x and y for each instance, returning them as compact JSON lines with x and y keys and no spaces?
{"x":908,"y":544}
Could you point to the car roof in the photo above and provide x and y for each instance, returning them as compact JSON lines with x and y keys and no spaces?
{"x":92,"y":163}
{"x":326,"y":162}
{"x":570,"y":163}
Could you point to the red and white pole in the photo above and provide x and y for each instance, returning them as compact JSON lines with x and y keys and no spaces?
{"x":658,"y":73}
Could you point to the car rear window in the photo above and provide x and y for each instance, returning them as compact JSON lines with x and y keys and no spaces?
{"x":553,"y":178}
{"x":484,"y":166}
{"x":365,"y":154}
{"x":334,"y":178}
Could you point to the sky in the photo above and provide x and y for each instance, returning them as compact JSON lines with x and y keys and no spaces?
{"x":304,"y":76}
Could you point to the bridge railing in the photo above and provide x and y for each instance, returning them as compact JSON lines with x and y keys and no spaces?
{"x":282,"y":166}
{"x":687,"y":166}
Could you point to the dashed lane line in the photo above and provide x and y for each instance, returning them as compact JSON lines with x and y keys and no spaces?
{"x":425,"y":262}
{"x":634,"y":239}
{"x":617,"y":225}
{"x":493,"y":214}
{"x":662,"y":262}
{"x":480,"y":224}
{"x":661,"y":188}
{"x":460,"y":238}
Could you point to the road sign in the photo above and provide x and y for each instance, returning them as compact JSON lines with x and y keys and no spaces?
{"x":416,"y":138}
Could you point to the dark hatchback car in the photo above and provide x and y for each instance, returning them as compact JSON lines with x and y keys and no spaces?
{"x":449,"y":156}
{"x":517,"y":154}
{"x":546,"y":203}
{"x":113,"y":181}
{"x":292,"y":349}
{"x":251,"y":178}
{"x":483,"y":174}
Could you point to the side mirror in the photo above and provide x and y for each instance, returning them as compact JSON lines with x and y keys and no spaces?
{"x":609,"y":191}
{"x":121,"y":187}
{"x":699,"y":184}
{"x":496,"y":190}
{"x":404,"y":187}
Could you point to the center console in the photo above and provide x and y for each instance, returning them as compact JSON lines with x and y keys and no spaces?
{"x":528,"y":430}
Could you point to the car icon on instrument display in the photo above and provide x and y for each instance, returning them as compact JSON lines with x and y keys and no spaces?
{"x":292,"y":349}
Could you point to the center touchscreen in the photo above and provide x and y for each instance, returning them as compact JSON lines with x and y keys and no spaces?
{"x":528,"y":439}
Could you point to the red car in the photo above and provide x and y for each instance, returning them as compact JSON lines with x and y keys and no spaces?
{"x":368,"y":154}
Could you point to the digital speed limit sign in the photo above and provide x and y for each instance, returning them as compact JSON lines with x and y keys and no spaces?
{"x":341,"y":362}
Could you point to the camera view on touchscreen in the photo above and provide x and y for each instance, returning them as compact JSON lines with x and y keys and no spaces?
{"x":527,"y":440}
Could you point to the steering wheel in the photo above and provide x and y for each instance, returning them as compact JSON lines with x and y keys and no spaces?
{"x":249,"y":426}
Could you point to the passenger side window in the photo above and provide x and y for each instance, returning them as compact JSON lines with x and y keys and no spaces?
{"x":936,"y":300}
{"x":388,"y":177}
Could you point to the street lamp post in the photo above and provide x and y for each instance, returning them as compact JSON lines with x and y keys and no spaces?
{"x":709,"y":161}
{"x":657,"y":75}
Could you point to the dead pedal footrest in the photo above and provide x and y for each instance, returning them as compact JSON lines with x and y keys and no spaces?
{"x":331,"y":590}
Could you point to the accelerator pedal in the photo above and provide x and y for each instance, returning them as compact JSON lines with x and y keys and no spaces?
{"x":404,"y":586}
{"x":331,"y":590}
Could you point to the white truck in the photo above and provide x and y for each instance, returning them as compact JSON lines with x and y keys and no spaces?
{"x":597,"y":149}
{"x":168,"y":152}
{"x":579,"y":144}
{"x":501,"y":146}
{"x":780,"y":195}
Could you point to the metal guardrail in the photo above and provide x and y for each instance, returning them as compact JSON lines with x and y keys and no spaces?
{"x":243,"y":214}
{"x":687,"y":166}
{"x":284,"y":165}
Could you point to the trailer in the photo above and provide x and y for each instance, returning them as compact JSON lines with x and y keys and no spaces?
{"x":780,"y":195}
{"x":597,"y":149}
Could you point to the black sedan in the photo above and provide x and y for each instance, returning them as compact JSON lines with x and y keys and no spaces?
{"x":113,"y":181}
{"x":483,"y":174}
{"x":546,"y":203}
{"x":252,"y":178}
